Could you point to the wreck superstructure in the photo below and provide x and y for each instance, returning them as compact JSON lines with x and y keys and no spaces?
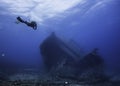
{"x":55,"y":52}
{"x":58,"y":55}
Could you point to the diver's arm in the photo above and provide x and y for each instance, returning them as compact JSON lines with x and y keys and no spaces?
{"x":35,"y":27}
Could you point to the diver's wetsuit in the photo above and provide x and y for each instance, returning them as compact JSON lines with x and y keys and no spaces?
{"x":31,"y":24}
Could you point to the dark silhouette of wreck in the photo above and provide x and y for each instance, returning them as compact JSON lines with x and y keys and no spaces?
{"x":62,"y":60}
{"x":55,"y":51}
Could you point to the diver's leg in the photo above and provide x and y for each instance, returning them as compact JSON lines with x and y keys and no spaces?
{"x":19,"y":19}
{"x":27,"y":23}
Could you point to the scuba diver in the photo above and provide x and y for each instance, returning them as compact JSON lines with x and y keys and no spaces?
{"x":32,"y":24}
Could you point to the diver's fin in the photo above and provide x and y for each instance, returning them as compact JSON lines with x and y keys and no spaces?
{"x":17,"y":22}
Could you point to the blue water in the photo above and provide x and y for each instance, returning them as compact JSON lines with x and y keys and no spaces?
{"x":99,"y":28}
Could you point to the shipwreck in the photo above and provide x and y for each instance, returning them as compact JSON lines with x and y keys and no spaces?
{"x":63,"y":60}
